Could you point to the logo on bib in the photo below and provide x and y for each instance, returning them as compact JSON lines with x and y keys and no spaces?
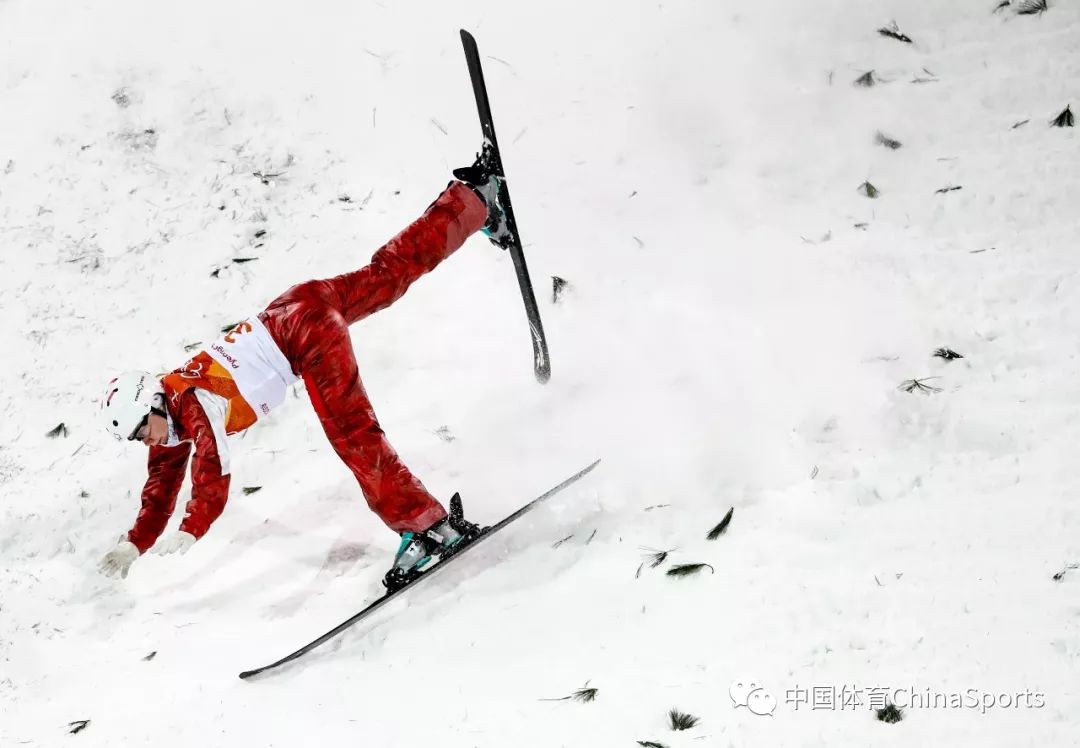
{"x":221,"y":352}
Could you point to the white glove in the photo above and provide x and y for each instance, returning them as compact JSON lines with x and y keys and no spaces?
{"x":119,"y":560}
{"x":177,"y":543}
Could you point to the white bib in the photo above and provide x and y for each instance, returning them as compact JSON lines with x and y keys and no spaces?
{"x":256,"y":364}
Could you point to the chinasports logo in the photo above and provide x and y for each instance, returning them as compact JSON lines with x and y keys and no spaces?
{"x":220,"y":350}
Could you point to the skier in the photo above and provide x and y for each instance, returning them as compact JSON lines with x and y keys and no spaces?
{"x":304,"y":333}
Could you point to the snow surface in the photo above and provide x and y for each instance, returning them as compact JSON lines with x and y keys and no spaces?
{"x":738,"y":321}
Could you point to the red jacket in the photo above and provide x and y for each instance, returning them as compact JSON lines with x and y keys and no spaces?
{"x":166,"y":468}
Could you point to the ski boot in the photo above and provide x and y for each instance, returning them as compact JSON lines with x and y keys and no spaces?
{"x":442,"y":540}
{"x":481,"y":176}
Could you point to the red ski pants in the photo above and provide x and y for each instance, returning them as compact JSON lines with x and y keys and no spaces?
{"x":310,"y":323}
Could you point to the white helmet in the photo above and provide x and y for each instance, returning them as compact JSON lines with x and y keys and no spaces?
{"x":127,"y":403}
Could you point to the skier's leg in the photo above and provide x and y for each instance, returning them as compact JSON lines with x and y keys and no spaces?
{"x":454,"y":216}
{"x":309,"y":322}
{"x":333,"y":382}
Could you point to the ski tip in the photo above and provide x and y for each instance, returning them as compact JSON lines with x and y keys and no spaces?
{"x":466,"y":36}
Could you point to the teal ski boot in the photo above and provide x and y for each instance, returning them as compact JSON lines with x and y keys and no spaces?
{"x":485,"y":180}
{"x":442,"y":540}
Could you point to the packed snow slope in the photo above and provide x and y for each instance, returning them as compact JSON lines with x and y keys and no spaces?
{"x":739,"y":318}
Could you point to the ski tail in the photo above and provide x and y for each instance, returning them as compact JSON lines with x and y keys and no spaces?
{"x":487,"y":533}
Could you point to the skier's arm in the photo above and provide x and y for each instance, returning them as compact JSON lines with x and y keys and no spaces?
{"x":165,"y":475}
{"x":205,"y":421}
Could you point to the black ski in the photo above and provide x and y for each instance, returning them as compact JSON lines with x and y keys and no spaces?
{"x":422,"y":576}
{"x":541,"y":360}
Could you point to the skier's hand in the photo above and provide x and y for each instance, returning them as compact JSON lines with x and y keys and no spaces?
{"x":178,"y":543}
{"x":117,"y":561}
